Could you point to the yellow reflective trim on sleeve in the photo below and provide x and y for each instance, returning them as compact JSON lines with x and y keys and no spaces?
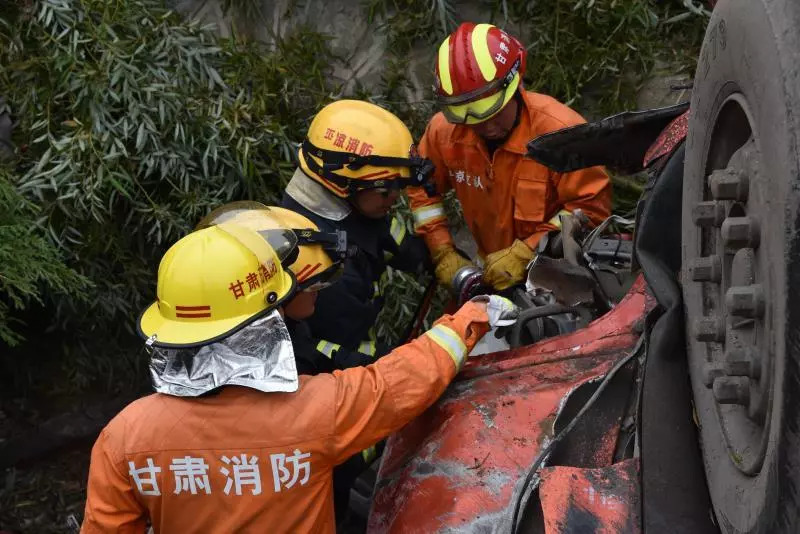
{"x":427,"y":214}
{"x":367,"y":347}
{"x":397,"y":230}
{"x":556,"y":219}
{"x":369,"y":454}
{"x":451,"y":342}
{"x":480,"y":47}
{"x":327,"y":348}
{"x":444,"y":67}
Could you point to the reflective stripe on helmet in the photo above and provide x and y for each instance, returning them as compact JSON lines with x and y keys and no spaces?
{"x":427,"y":214}
{"x":480,"y":49}
{"x":556,"y":219}
{"x":397,"y":230}
{"x":327,"y":348}
{"x":444,"y":67}
{"x":446,"y":338}
{"x":367,"y":347}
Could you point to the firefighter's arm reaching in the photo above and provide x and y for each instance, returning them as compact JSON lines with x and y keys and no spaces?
{"x":374,"y":401}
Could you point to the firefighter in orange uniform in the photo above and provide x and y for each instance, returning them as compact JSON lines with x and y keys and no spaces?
{"x":233,"y":440}
{"x":319,"y":265}
{"x":478,"y":145}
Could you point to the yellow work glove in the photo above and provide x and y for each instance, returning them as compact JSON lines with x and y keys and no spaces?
{"x":447,"y":261}
{"x":506,"y":267}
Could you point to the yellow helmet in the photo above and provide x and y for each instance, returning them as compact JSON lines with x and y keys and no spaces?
{"x":353,"y":145}
{"x":213,"y":282}
{"x":318,"y":261}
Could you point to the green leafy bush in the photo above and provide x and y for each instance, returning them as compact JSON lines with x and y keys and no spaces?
{"x":28,"y":260}
{"x":132,"y":125}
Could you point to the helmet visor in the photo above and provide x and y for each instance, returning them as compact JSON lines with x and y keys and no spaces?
{"x":481,"y":104}
{"x":245,"y":219}
{"x":230,"y":211}
{"x":282,"y":242}
{"x":477,"y":110}
{"x":419,"y":169}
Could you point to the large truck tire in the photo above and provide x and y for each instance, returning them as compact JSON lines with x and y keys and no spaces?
{"x":741,"y":262}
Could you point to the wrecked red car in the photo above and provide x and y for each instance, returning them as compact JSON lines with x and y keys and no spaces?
{"x":652,"y":383}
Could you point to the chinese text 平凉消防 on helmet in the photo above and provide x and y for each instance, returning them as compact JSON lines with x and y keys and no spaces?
{"x":353,"y":145}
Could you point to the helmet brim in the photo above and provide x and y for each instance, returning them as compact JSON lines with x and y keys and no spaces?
{"x":199,"y":330}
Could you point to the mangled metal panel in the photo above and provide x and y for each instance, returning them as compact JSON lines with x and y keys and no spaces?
{"x":455,"y":468}
{"x":602,"y":500}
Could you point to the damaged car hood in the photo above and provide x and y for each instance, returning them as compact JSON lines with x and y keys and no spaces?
{"x":461,"y":466}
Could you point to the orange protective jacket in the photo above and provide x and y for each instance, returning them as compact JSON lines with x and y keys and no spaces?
{"x":247,"y":461}
{"x":506,"y":196}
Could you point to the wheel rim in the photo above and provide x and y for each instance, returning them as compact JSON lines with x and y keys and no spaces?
{"x":736,"y":288}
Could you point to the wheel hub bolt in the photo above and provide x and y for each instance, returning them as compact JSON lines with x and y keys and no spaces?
{"x":740,"y":232}
{"x":742,"y":362}
{"x":712,"y":371}
{"x":710,"y":329}
{"x":732,"y":390}
{"x":708,"y":213}
{"x":745,"y":301}
{"x":706,"y":269}
{"x":729,"y":184}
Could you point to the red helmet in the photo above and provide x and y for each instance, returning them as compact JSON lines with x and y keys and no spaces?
{"x":479,"y":69}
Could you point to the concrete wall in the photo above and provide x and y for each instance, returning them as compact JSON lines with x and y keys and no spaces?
{"x":362,"y":45}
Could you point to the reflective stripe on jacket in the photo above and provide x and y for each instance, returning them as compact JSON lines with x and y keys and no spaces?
{"x":246,"y":461}
{"x":504,"y":196}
